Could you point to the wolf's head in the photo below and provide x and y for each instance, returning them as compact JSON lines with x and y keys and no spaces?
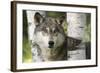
{"x":49,"y":32}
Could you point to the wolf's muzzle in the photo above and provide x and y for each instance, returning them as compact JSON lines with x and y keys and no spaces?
{"x":51,"y":44}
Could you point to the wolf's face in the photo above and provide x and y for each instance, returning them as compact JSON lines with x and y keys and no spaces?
{"x":49,"y":33}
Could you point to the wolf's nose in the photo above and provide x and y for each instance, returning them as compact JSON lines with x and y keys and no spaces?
{"x":51,"y":43}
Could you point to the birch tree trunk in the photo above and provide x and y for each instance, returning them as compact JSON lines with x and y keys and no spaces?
{"x":76,"y":24}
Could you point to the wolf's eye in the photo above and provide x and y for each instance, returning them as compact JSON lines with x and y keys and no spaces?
{"x":55,"y":32}
{"x":44,"y":29}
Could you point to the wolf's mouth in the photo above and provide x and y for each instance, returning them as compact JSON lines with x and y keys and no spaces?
{"x":51,"y":46}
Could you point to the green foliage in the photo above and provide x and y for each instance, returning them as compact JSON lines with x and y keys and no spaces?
{"x":87,"y":32}
{"x":27,"y":56}
{"x":55,"y":14}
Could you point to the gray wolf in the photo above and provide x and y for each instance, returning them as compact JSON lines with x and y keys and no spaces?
{"x":49,"y":39}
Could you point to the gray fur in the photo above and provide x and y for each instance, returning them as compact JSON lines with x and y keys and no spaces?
{"x":50,"y":28}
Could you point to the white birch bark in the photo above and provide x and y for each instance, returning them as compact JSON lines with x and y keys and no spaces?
{"x":76,"y":24}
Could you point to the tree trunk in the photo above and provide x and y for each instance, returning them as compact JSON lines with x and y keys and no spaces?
{"x":76,"y":24}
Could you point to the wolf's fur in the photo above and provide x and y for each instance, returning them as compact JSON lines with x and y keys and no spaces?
{"x":49,"y":41}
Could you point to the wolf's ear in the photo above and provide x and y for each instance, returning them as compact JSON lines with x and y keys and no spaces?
{"x":61,"y":20}
{"x":38,"y":18}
